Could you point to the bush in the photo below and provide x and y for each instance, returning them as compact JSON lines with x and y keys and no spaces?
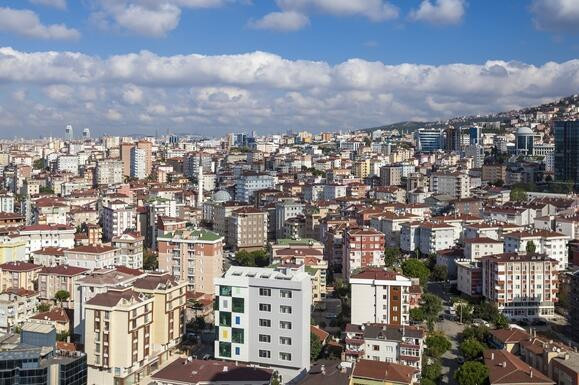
{"x":472,"y":373}
{"x":437,"y":344}
{"x":472,"y":349}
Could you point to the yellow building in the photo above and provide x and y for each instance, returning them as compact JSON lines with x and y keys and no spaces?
{"x":12,"y":250}
{"x":361,"y":168}
{"x":18,"y":275}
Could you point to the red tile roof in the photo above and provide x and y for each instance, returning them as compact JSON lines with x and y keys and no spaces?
{"x":384,"y":371}
{"x":19,"y":266}
{"x":505,"y":368}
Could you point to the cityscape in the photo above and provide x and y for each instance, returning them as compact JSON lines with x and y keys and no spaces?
{"x":175,"y":218}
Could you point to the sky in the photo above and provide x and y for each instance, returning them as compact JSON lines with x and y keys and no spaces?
{"x":209,"y":67}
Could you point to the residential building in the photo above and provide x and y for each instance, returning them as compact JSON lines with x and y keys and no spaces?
{"x":118,"y":217}
{"x":363,"y":247}
{"x":91,"y":257}
{"x":390,"y":175}
{"x":493,"y":172}
{"x":16,"y":275}
{"x":247,"y":229}
{"x":522,"y":285}
{"x":469,"y":278}
{"x":386,"y":343}
{"x":109,"y":172}
{"x":17,"y":305}
{"x":138,"y":163}
{"x":40,"y":236}
{"x":55,"y":278}
{"x":504,"y":368}
{"x":371,"y":372}
{"x":455,"y":184}
{"x":248,"y":183}
{"x":476,"y":248}
{"x":380,"y":296}
{"x":544,"y":241}
{"x":263,"y":318}
{"x":390,"y":223}
{"x":193,"y":255}
{"x":49,"y":256}
{"x":129,"y":246}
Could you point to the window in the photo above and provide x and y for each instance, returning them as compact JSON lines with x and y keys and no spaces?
{"x":285,"y":293}
{"x":285,"y":356}
{"x":285,"y":325}
{"x":237,"y":351}
{"x":225,"y":290}
{"x":225,"y":349}
{"x":237,"y":320}
{"x":265,"y":292}
{"x":285,"y":340}
{"x":264,"y":307}
{"x":238,"y":305}
{"x":224,"y":318}
{"x":375,"y":348}
{"x":237,"y":335}
{"x":285,"y":309}
{"x":265,"y":323}
{"x":265,"y":338}
{"x":264,"y":354}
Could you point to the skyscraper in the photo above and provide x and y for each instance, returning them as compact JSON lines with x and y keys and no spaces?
{"x":86,"y":133}
{"x":429,"y":139}
{"x":567,"y":151}
{"x":68,"y":133}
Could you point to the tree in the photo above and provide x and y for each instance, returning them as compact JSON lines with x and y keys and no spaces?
{"x":38,"y":164}
{"x":437,"y":344}
{"x":530,"y":247}
{"x":150,"y":260}
{"x":315,"y":347}
{"x":42,"y":307}
{"x":256,"y":258}
{"x":427,"y":381}
{"x":416,"y":269}
{"x":391,"y":256}
{"x":62,"y":336}
{"x":431,"y":306}
{"x":472,"y":349}
{"x":197,"y":324}
{"x":61,"y":296}
{"x":417,"y":314}
{"x":501,"y":322}
{"x":518,"y":194}
{"x":432,"y":371}
{"x":45,"y":190}
{"x":464,"y":312}
{"x":480,"y":333}
{"x":472,"y":373}
{"x":439,"y":273}
{"x":487,"y":311}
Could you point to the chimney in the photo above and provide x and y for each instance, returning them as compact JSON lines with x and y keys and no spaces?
{"x":492,"y":355}
{"x":504,"y":364}
{"x":225,"y":369}
{"x":531,"y":373}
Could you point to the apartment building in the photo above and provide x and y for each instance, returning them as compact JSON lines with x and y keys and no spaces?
{"x":428,"y":237}
{"x":248,"y":183}
{"x":385,"y":343}
{"x":49,"y":256}
{"x":109,"y":172}
{"x":455,"y":184}
{"x":383,"y":373}
{"x":263,"y":318}
{"x":221,"y":214}
{"x":118,"y":217}
{"x":40,"y":236}
{"x":522,"y":285}
{"x":493,"y":173}
{"x":193,"y":255}
{"x":476,"y":248}
{"x":469,"y":278}
{"x":61,"y":277}
{"x":12,"y":249}
{"x":18,"y":275}
{"x":119,"y":344}
{"x":285,"y":210}
{"x":380,"y":296}
{"x":247,"y":229}
{"x":545,"y":242}
{"x":363,"y":247}
{"x":17,"y":305}
{"x":390,"y":175}
{"x":129,"y":247}
{"x":169,"y":301}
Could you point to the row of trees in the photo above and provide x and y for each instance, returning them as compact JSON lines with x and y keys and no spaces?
{"x":472,"y":346}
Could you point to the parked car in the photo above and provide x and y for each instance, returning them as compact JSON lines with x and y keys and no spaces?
{"x":480,"y":322}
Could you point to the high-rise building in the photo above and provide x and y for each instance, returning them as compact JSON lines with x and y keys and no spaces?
{"x":147,"y":147}
{"x":380,"y":296}
{"x":138,"y":163}
{"x":109,"y":172}
{"x":455,"y":184}
{"x":126,"y":158}
{"x":474,"y":134}
{"x":68,"y":133}
{"x":524,"y":141}
{"x":567,"y":151}
{"x":86,"y":133}
{"x":362,"y":248}
{"x":429,"y":139}
{"x":262,"y":316}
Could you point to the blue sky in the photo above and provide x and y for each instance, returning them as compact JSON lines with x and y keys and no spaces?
{"x":132,"y":65}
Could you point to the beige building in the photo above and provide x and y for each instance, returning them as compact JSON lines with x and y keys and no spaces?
{"x":247,"y":229}
{"x":18,"y":275}
{"x":118,"y":341}
{"x":193,"y":255}
{"x":62,"y":277}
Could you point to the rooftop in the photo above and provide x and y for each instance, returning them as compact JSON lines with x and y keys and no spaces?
{"x":189,"y":371}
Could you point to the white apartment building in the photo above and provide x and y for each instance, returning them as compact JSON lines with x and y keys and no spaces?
{"x":109,"y":172}
{"x":247,"y":184}
{"x":390,"y":223}
{"x":334,"y":191}
{"x":91,"y":257}
{"x":285,"y":210}
{"x":138,"y":163}
{"x":476,"y":248}
{"x":117,"y":217}
{"x":16,"y":307}
{"x":385,"y":343}
{"x":41,"y":236}
{"x":435,"y":236}
{"x":380,"y":296}
{"x":455,"y":184}
{"x":67,"y":163}
{"x":7,"y":203}
{"x":262,"y":317}
{"x":546,"y":242}
{"x":522,"y":286}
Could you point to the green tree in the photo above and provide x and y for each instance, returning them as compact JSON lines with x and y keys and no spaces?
{"x":416,"y":269}
{"x":480,"y":333}
{"x":62,"y":336}
{"x":427,"y":381}
{"x":437,"y":344}
{"x":472,"y":373}
{"x":42,"y":307}
{"x":472,"y":349}
{"x":439,"y":273}
{"x":391,"y":256}
{"x":432,"y":371}
{"x":256,"y":258}
{"x":431,"y":305}
{"x":150,"y":260}
{"x":417,"y":314}
{"x":197,"y":324}
{"x":487,"y":311}
{"x":61,"y":296}
{"x":530,"y":247}
{"x":45,"y":190}
{"x":518,"y":194}
{"x":38,"y":164}
{"x":501,"y":322}
{"x":464,"y":312}
{"x":315,"y":347}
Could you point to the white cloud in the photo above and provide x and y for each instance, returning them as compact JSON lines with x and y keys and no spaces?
{"x":556,"y":15}
{"x":26,"y":23}
{"x":281,"y":21}
{"x":212,"y":94}
{"x":439,"y":12}
{"x":59,"y":4}
{"x":153,"y":18}
{"x":294,"y":14}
